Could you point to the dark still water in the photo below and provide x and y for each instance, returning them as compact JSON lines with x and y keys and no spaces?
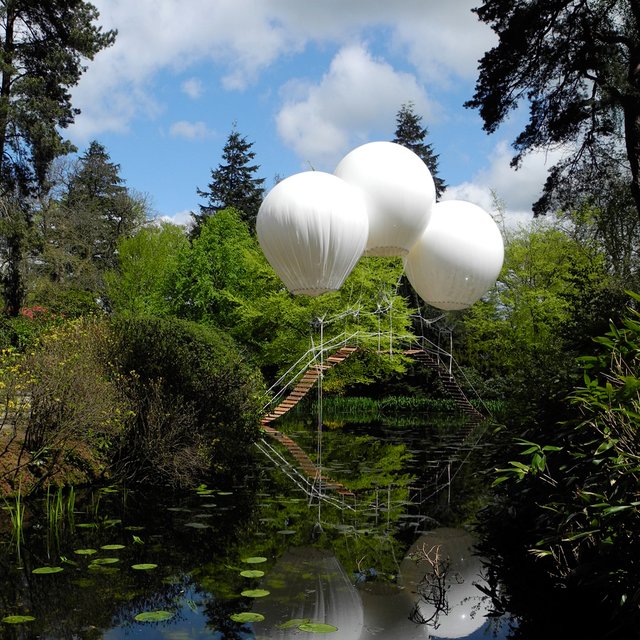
{"x":264,"y":559}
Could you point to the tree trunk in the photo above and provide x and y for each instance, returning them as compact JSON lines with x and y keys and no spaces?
{"x":5,"y":85}
{"x":632,"y":108}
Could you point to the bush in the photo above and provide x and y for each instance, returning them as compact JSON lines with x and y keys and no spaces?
{"x":60,"y":405}
{"x":196,"y":402}
{"x":567,"y":508}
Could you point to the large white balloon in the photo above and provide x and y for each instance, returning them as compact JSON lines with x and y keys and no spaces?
{"x":457,"y":258}
{"x":464,"y":607}
{"x":399,"y":191}
{"x":313,"y":229}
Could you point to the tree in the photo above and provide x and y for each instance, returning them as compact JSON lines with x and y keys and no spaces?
{"x":233,"y":184}
{"x":81,"y":228}
{"x":44,"y":44}
{"x":578,"y":66}
{"x":146,"y":261}
{"x":411,"y":134}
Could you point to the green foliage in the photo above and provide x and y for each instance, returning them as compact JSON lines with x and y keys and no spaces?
{"x":45,"y":47}
{"x":575,"y":64}
{"x":59,"y":403}
{"x":196,"y":401}
{"x":573,"y":492}
{"x":547,"y":303}
{"x":147,"y":262}
{"x":223,"y":279}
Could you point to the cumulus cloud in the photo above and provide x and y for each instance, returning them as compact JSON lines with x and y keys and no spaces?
{"x":190,"y":130}
{"x":181,"y":218}
{"x":499,"y":185}
{"x":357,"y":95}
{"x":241,"y":38}
{"x":192,"y":88}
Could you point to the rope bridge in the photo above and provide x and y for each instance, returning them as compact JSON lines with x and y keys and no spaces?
{"x":309,"y":473}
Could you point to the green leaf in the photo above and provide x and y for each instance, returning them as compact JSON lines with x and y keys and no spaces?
{"x":252,"y":573}
{"x":247,"y":616}
{"x":616,"y":509}
{"x":47,"y":570}
{"x":317,"y":627}
{"x":255,"y":593}
{"x":17,"y":619}
{"x":145,"y":566}
{"x":154,"y":616}
{"x":293,"y":623}
{"x":254,"y":560}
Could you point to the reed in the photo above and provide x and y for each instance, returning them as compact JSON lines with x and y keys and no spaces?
{"x":16,"y":515}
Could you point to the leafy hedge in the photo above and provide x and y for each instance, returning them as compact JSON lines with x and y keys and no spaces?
{"x":195,"y":400}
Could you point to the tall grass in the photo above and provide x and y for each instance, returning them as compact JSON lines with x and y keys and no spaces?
{"x":16,"y":515}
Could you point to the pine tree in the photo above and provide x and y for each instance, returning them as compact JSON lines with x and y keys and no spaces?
{"x":233,"y":184}
{"x":411,"y":134}
{"x":44,"y":46}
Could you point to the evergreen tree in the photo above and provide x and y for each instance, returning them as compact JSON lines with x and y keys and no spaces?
{"x":233,"y":184}
{"x":411,"y":134}
{"x":577,"y":66}
{"x":81,"y":231}
{"x":44,"y":45}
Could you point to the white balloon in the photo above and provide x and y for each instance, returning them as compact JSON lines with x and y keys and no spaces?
{"x":464,"y":607}
{"x":458,"y":257}
{"x":313,"y":229}
{"x":399,"y":191}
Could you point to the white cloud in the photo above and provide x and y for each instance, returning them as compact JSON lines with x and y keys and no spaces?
{"x":192,"y":88}
{"x":358,"y":95}
{"x":181,"y":218}
{"x":190,"y":130}
{"x":501,"y":186}
{"x":243,"y":37}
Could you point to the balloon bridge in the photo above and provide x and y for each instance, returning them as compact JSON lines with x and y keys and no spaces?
{"x":307,"y":473}
{"x":314,"y":227}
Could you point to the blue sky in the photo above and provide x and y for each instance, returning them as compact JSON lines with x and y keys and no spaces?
{"x":305,"y":80}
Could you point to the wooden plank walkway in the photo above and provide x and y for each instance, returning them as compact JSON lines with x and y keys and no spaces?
{"x":299,"y":391}
{"x":449,"y":384}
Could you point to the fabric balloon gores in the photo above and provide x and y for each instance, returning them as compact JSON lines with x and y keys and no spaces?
{"x":458,"y":257}
{"x":313,"y":228}
{"x":399,"y":192}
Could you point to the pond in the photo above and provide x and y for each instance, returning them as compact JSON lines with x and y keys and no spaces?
{"x":263,"y":559}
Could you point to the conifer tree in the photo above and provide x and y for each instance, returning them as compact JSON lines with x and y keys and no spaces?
{"x":411,"y":134}
{"x":233,"y":184}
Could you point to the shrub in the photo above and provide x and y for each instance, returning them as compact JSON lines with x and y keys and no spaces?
{"x":196,"y":401}
{"x":59,"y":403}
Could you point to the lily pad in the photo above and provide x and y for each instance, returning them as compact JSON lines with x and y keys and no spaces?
{"x":144,"y":566}
{"x":105,"y":561}
{"x":85,"y":552}
{"x":247,"y":616}
{"x":198,"y":525}
{"x":287,"y":532}
{"x":112,"y":547}
{"x":252,"y":573}
{"x":45,"y":570}
{"x":17,"y":619}
{"x":317,"y":627}
{"x":153,"y":616}
{"x":291,"y":624}
{"x":225,"y":493}
{"x":254,"y":560}
{"x":255,"y":593}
